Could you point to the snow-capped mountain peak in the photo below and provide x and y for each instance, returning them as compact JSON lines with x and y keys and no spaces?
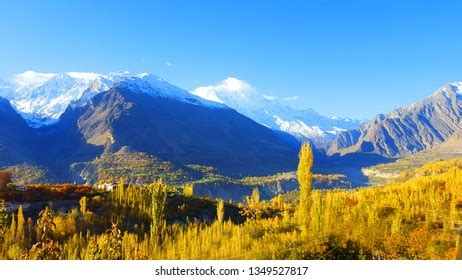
{"x":230,"y":88}
{"x":267,"y":110}
{"x":31,"y":78}
{"x":236,"y":85}
{"x":42,"y":97}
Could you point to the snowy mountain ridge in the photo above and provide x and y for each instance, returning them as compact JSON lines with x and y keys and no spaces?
{"x":267,"y":110}
{"x":156,"y":86}
{"x":41,"y":98}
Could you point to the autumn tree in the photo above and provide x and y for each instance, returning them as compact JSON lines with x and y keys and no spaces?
{"x":278,"y":203}
{"x":46,"y":248}
{"x":253,"y":208}
{"x":20,"y":231}
{"x":83,"y":204}
{"x":5,"y":179}
{"x":304,"y":180}
{"x":114,"y":243}
{"x":459,"y":231}
{"x":3,"y":219}
{"x":159,"y":200}
{"x":188,"y":190}
{"x":220,"y":211}
{"x":93,"y":252}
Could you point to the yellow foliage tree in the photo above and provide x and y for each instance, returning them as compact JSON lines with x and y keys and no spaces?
{"x":220,"y":211}
{"x":21,"y":224}
{"x":188,"y":190}
{"x":159,"y":199}
{"x":83,"y":204}
{"x":253,"y":208}
{"x":304,"y":180}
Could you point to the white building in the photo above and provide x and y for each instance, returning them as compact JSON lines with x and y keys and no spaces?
{"x":108,"y":187}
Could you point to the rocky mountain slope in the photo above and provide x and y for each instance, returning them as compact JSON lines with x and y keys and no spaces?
{"x":407,"y":130}
{"x":449,"y":149}
{"x":146,"y":114}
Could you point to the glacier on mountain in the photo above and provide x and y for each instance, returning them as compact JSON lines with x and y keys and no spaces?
{"x":41,"y":98}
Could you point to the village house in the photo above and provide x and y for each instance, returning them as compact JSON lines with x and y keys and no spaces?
{"x":108,"y":187}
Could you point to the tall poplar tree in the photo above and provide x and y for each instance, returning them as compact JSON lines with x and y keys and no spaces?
{"x":304,"y":180}
{"x":159,"y":200}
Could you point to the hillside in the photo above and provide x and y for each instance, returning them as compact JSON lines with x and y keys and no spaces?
{"x":18,"y":142}
{"x":140,"y":168}
{"x":25,"y":174}
{"x":150,"y":116}
{"x":450,"y":149}
{"x":132,"y":167}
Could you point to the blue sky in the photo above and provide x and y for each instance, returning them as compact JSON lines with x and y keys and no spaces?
{"x":349,"y":58}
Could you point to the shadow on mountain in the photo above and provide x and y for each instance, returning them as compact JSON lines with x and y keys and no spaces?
{"x":349,"y":165}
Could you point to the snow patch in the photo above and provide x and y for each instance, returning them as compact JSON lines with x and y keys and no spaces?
{"x":299,"y":128}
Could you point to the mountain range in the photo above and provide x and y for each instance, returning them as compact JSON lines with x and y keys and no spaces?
{"x":143,"y":114}
{"x":71,"y":123}
{"x":407,"y":130}
{"x":448,"y":150}
{"x":41,"y":98}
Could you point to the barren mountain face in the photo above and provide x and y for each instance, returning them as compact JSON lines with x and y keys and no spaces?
{"x":407,"y":130}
